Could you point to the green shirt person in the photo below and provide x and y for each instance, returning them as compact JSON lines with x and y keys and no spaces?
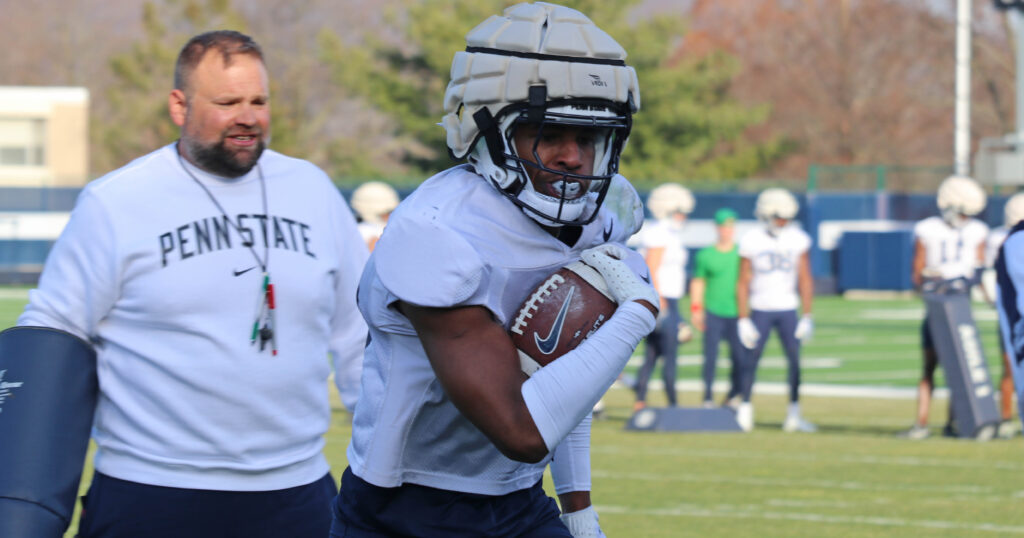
{"x":713,"y":301}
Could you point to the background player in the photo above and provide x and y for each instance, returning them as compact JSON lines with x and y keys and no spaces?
{"x":446,"y":417}
{"x":373,"y":202}
{"x":947,"y":248}
{"x":666,"y":256}
{"x":207,"y":426}
{"x":774,"y":268}
{"x":713,"y":304}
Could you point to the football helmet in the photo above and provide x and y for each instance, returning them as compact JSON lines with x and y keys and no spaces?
{"x":670,"y":198}
{"x":775,"y":203}
{"x":540,"y":64}
{"x":1014,"y":210}
{"x":959,"y":198}
{"x":374,"y":200}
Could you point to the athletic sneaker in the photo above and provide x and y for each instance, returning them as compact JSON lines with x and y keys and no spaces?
{"x":917,"y":432}
{"x":733,"y":403}
{"x":796,"y":423}
{"x":745,"y":416}
{"x":1008,"y":429}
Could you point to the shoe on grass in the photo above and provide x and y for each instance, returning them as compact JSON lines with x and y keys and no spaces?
{"x":917,"y":432}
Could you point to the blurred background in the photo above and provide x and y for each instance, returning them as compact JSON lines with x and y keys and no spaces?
{"x":849,"y":103}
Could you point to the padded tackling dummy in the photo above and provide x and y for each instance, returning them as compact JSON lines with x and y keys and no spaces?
{"x":48,"y":392}
{"x":960,"y":353}
{"x":684,"y":419}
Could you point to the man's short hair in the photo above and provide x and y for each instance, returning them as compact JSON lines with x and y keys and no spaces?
{"x":227,"y":42}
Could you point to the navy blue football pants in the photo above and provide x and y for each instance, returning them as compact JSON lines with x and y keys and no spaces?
{"x":717,"y":328}
{"x":784,"y":322}
{"x":663,"y":342}
{"x":116,"y":508}
{"x":363,"y":510}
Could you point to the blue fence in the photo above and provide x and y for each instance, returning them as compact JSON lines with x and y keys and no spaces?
{"x":861,"y":240}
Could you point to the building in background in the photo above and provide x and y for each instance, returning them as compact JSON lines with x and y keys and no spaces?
{"x":44,"y":136}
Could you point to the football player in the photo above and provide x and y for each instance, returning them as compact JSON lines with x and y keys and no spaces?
{"x":450,"y":437}
{"x":1013,"y":212}
{"x":775,"y":278}
{"x":949,"y":248}
{"x":666,"y":255}
{"x":373,"y":202}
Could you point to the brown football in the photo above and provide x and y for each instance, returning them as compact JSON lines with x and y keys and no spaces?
{"x":561,"y":312}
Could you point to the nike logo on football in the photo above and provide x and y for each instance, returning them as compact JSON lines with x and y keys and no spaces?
{"x":548,"y":344}
{"x":608,"y":232}
{"x":243,"y":271}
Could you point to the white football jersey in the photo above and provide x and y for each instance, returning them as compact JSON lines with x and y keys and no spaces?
{"x":993,"y":242}
{"x":370,"y":231}
{"x":950,"y":252}
{"x":456,"y":241}
{"x":671,"y":274}
{"x":775,"y":261}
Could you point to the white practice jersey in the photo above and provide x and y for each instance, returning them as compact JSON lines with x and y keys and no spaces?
{"x":950,"y":252}
{"x":370,"y":231}
{"x":671,"y":274}
{"x":993,"y":242}
{"x":151,"y":272}
{"x":456,"y":241}
{"x":775,"y":261}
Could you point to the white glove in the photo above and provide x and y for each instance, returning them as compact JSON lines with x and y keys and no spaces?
{"x":749,"y":335}
{"x":583,"y":523}
{"x":623,"y":283}
{"x":685,"y":332}
{"x":804,"y":329}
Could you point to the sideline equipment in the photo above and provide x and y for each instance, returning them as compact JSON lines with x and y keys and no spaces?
{"x":962,"y":357}
{"x":48,"y":393}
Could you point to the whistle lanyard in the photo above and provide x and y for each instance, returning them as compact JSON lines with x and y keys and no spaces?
{"x":266,"y":315}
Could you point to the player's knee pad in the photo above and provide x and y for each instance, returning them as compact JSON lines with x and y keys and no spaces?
{"x":48,"y":391}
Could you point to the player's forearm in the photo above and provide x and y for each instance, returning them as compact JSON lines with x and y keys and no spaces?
{"x":559,"y":395}
{"x":742,"y":299}
{"x":697,"y":292}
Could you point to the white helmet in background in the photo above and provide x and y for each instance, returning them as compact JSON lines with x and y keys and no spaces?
{"x":775,"y":203}
{"x":374,"y":200}
{"x":670,"y":198}
{"x":960,"y":197}
{"x":541,"y":64}
{"x":1014,"y":210}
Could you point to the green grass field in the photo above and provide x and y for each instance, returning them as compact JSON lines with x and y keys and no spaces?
{"x":855,"y":477}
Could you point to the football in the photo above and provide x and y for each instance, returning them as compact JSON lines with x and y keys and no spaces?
{"x":561,"y":312}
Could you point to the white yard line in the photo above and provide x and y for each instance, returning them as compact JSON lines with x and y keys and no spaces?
{"x":806,"y":389}
{"x":838,"y":459}
{"x":756,"y":512}
{"x":13,"y":293}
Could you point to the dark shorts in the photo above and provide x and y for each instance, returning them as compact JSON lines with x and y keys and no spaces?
{"x":116,"y":508}
{"x":363,"y":510}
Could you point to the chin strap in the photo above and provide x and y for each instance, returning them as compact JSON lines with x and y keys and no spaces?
{"x":489,"y":131}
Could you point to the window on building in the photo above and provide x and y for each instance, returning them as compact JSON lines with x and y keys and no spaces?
{"x":22,"y":142}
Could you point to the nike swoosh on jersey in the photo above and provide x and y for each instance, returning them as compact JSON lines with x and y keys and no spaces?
{"x":243,"y":271}
{"x":608,"y":232}
{"x":548,"y":344}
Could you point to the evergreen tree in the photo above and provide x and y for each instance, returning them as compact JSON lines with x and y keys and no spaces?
{"x":688,"y":126}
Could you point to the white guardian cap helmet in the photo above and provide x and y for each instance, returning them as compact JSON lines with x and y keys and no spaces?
{"x":774,"y":204}
{"x":541,"y":64}
{"x":1014,"y":210}
{"x":374,"y":200}
{"x":959,"y":198}
{"x":670,"y":198}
